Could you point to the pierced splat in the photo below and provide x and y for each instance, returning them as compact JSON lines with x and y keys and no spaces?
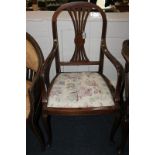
{"x":79,"y":17}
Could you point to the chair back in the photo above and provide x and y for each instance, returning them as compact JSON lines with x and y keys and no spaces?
{"x":79,"y":13}
{"x":34,"y":62}
{"x":34,"y":57}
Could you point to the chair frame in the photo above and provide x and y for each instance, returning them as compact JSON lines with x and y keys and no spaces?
{"x":35,"y":99}
{"x":122,"y":119}
{"x":79,"y":58}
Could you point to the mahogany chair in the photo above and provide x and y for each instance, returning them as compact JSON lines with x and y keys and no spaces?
{"x":79,"y":93}
{"x":34,"y":61}
{"x":122,"y":119}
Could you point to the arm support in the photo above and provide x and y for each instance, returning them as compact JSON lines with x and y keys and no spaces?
{"x":120,"y":73}
{"x":46,"y":69}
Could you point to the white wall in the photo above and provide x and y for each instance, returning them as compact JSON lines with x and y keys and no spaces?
{"x":38,"y":24}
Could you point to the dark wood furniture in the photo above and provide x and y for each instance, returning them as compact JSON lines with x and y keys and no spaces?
{"x":52,"y":5}
{"x":34,"y":61}
{"x":122,"y":119}
{"x":81,"y":86}
{"x":123,"y":8}
{"x":125,"y":106}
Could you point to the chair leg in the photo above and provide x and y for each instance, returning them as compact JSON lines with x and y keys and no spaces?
{"x":38,"y":133}
{"x":47,"y":126}
{"x":116,"y":124}
{"x":125,"y":134}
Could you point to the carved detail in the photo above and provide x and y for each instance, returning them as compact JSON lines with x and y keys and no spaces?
{"x":79,"y":40}
{"x":79,"y":17}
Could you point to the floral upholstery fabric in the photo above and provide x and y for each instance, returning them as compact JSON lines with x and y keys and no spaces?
{"x":80,"y":90}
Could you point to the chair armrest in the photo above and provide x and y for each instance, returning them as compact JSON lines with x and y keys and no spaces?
{"x":46,"y":70}
{"x":47,"y":64}
{"x":120,"y":73}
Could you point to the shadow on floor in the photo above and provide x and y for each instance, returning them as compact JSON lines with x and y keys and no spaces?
{"x":88,"y":135}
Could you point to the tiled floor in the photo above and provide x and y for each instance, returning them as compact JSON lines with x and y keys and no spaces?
{"x":87,"y":135}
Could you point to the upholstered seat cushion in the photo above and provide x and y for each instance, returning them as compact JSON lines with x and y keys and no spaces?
{"x":28,"y":85}
{"x":80,"y":90}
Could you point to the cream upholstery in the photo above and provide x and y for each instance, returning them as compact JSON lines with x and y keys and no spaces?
{"x":79,"y":90}
{"x":31,"y":57}
{"x":28,"y":85}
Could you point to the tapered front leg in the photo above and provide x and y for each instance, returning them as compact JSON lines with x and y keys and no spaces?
{"x":125,"y":134}
{"x":38,"y":133}
{"x":116,"y":124}
{"x":47,"y":126}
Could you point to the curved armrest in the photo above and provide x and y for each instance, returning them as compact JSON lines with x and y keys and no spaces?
{"x":46,"y":69}
{"x":47,"y":64}
{"x":120,"y":73}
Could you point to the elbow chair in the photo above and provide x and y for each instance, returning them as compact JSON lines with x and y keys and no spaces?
{"x":122,"y":120}
{"x":34,"y":61}
{"x":125,"y":111}
{"x":79,"y":93}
